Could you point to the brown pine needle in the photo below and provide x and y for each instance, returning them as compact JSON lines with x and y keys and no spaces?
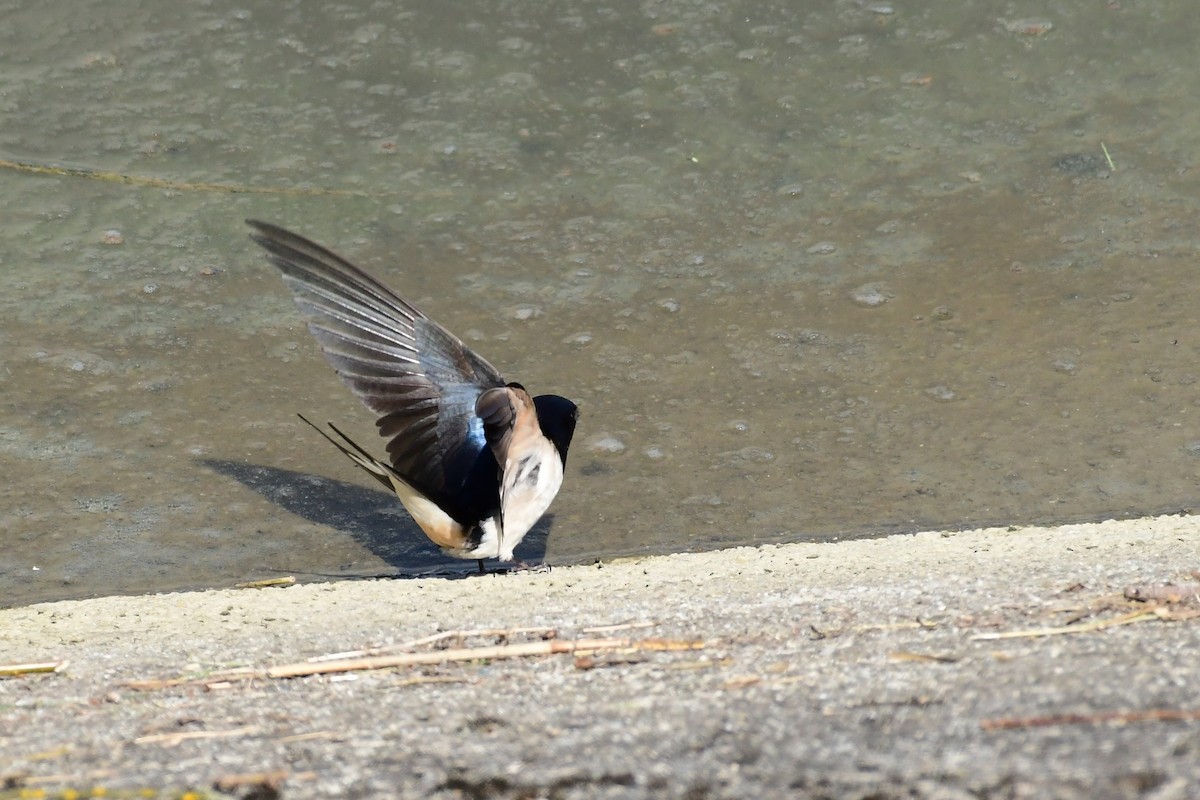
{"x":905,"y":655}
{"x":421,"y":680}
{"x":1098,"y":718}
{"x":32,"y":168}
{"x":611,"y":659}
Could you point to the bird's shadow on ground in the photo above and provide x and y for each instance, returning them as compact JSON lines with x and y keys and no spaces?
{"x":374,"y":519}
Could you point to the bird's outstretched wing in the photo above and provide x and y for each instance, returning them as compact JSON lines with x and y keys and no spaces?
{"x":418,"y":377}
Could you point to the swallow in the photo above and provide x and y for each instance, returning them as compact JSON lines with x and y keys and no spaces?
{"x":475,"y":460}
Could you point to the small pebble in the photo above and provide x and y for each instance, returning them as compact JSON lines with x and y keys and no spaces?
{"x":1028,"y":26}
{"x":526,"y":312}
{"x":1065,"y":365}
{"x":112,"y":236}
{"x":869,"y":295}
{"x":943,"y":393}
{"x":605,"y":443}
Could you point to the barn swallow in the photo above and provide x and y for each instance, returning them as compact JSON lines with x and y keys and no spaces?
{"x":475,"y":460}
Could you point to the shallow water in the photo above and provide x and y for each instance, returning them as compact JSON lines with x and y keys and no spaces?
{"x":810,"y":275}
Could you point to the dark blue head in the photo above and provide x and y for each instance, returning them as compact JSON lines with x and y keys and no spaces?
{"x":556,"y":417}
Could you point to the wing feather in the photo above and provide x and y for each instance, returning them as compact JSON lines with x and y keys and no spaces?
{"x":420,"y":379}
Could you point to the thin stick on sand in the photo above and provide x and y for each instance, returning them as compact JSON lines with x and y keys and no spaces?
{"x":15,"y":670}
{"x":519,"y":650}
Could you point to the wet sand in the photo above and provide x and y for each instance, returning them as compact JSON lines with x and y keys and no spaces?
{"x":860,"y":668}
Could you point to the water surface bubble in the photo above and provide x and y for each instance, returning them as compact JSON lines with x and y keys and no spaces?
{"x":524,"y":312}
{"x":605,"y":443}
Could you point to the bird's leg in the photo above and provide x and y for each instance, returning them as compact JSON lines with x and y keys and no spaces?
{"x":482,"y":571}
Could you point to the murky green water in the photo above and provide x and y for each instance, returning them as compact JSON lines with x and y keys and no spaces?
{"x":810,"y":272}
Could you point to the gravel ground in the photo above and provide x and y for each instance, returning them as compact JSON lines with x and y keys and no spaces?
{"x":858,"y":669}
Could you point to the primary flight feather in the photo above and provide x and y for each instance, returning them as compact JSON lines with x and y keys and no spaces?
{"x":475,"y":460}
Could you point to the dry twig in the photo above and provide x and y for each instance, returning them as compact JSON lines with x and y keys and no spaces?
{"x":1096,"y":718}
{"x":287,"y":580}
{"x":1170,"y":593}
{"x":1087,"y":627}
{"x":923,"y":624}
{"x":15,"y":670}
{"x":906,"y":655}
{"x":257,"y":784}
{"x":547,"y":633}
{"x":622,"y":626}
{"x":518,"y":650}
{"x":225,"y":678}
{"x":172,"y":739}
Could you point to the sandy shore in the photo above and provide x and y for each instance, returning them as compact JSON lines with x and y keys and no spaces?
{"x":855,"y":669}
